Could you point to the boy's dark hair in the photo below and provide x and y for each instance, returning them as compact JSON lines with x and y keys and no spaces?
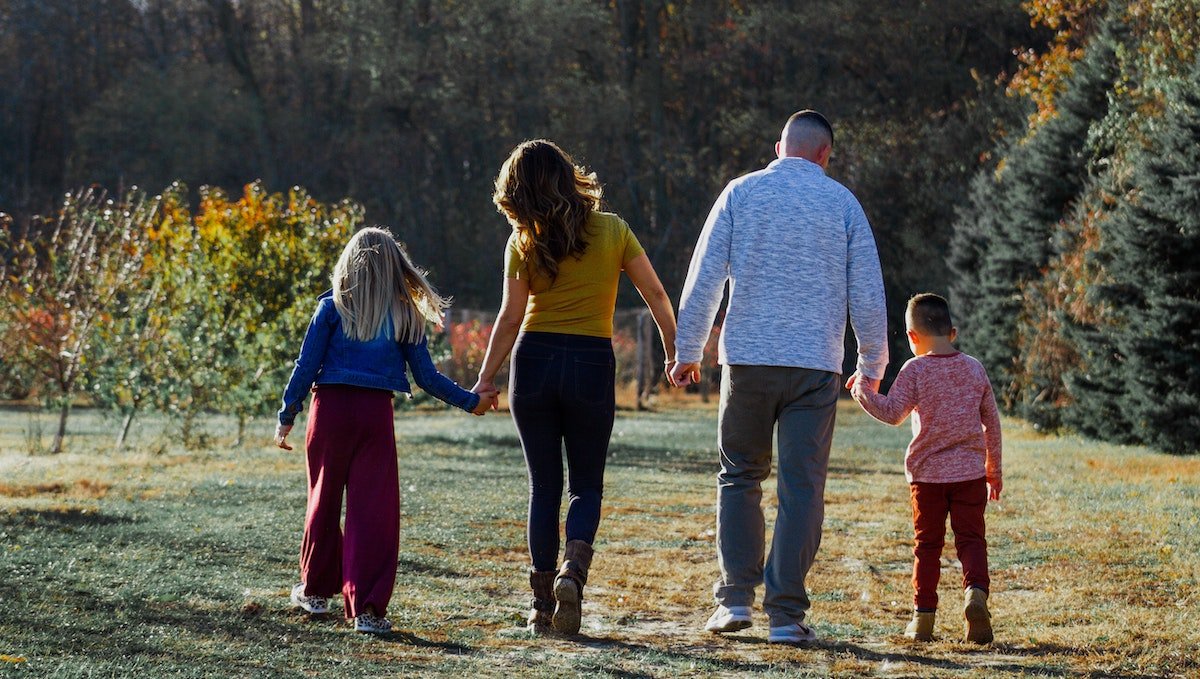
{"x":930,"y":314}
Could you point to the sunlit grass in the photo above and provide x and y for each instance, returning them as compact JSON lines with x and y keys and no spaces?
{"x":159,"y":561}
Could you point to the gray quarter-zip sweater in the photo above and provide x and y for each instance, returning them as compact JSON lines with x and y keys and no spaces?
{"x":798,"y":253}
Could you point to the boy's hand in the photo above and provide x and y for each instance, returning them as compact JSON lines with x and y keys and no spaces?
{"x":281,"y":434}
{"x":994,"y":487}
{"x":859,"y":379}
{"x":487,"y":401}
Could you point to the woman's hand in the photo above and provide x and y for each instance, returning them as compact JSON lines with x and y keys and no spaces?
{"x":683,"y":374}
{"x":281,"y":434}
{"x":489,"y":396}
{"x":487,"y":401}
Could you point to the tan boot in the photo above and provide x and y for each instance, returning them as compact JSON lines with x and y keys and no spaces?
{"x":921,"y":626}
{"x":979,"y":620}
{"x":568,"y":586}
{"x":542,"y":606}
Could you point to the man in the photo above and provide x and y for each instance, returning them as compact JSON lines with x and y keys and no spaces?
{"x":798,"y":254}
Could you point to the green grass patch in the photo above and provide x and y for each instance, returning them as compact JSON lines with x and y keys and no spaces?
{"x":157,"y":561}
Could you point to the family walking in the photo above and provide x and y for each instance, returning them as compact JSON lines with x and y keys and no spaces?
{"x":798,"y":257}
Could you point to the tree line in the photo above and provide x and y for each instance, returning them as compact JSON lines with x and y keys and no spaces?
{"x":991,"y":143}
{"x":1075,"y":256}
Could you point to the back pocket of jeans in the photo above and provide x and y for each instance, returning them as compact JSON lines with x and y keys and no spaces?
{"x":594,"y":380}
{"x":529,"y":373}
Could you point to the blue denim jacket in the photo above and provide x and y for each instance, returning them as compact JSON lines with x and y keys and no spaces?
{"x":328,"y":356}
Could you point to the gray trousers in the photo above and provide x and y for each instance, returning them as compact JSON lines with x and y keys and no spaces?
{"x":803,"y":403}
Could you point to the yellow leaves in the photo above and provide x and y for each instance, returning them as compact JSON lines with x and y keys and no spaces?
{"x":14,"y":659}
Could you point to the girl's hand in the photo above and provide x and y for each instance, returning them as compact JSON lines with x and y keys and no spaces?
{"x":488,"y":396}
{"x":281,"y":434}
{"x":487,"y":401}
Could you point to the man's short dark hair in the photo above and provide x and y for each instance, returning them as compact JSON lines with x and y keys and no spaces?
{"x":930,"y":315}
{"x":809,"y":117}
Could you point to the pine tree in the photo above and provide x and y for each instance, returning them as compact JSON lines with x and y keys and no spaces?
{"x":1149,"y":252}
{"x":1012,"y":218}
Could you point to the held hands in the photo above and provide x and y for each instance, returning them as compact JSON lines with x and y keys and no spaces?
{"x":859,"y":383}
{"x":489,"y":397}
{"x":682,"y":374}
{"x":281,"y":434}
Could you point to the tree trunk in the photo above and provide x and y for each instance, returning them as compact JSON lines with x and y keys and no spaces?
{"x":241,"y":432}
{"x":62,"y":428}
{"x":125,"y":425}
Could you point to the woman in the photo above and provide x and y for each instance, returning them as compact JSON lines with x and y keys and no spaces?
{"x":562,"y":266}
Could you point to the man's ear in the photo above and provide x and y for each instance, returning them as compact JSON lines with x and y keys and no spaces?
{"x":823,"y":156}
{"x":778,"y":149}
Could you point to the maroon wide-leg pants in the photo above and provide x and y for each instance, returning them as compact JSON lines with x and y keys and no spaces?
{"x":351,"y":448}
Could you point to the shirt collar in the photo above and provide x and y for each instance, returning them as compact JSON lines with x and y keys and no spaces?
{"x":797,"y":163}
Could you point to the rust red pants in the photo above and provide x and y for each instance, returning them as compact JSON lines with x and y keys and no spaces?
{"x":351,"y":448}
{"x":964,"y":502}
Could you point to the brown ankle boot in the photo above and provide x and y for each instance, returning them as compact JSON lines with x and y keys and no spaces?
{"x":568,"y":586}
{"x":541,"y":607}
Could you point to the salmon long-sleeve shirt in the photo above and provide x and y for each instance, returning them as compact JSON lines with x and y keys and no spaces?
{"x":956,"y":428}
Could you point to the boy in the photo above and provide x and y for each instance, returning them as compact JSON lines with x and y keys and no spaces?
{"x":952,"y":463}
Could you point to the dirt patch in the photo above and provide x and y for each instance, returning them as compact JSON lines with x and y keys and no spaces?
{"x":81,"y":489}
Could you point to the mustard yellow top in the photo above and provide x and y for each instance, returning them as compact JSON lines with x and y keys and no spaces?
{"x":583,"y":296}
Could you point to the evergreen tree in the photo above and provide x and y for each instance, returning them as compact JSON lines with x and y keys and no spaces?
{"x":1013,"y":216}
{"x":1149,"y":252}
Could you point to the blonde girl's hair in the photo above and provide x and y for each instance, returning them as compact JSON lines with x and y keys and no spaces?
{"x":375,"y":282}
{"x":547,"y":198}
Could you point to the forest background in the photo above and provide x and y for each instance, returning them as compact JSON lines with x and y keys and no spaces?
{"x":1034,"y":160}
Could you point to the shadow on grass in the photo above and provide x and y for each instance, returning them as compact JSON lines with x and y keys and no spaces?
{"x":982,"y":654}
{"x":73,"y":517}
{"x":407,"y":565}
{"x":410,"y":639}
{"x":496,"y":442}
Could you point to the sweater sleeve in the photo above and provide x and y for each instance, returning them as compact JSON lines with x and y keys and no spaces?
{"x":990,"y":416}
{"x":312,"y":355}
{"x":897,"y":404}
{"x":864,"y":285}
{"x":705,"y":284}
{"x":427,"y":377}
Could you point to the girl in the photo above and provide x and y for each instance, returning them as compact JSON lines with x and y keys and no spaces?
{"x":363,"y":334}
{"x":563,"y":262}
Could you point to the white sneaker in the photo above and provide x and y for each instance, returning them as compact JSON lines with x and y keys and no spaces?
{"x":372,"y":624}
{"x":795,"y":633}
{"x":728,"y":619}
{"x":313,"y":604}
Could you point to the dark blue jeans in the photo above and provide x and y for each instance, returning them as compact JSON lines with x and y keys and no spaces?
{"x":561,"y":395}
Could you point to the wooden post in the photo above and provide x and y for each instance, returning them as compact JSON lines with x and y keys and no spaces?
{"x":642,"y":350}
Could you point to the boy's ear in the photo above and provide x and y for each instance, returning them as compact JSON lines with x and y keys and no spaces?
{"x":953,"y":334}
{"x":912,"y":335}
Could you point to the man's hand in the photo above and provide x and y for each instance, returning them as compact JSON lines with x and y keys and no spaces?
{"x":994,"y":487}
{"x":281,"y":434}
{"x":866,"y":382}
{"x":683,"y":374}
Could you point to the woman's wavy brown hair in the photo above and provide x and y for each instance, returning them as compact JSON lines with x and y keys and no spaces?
{"x":547,"y":198}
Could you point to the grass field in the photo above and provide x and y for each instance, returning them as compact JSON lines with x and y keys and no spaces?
{"x":157,"y":561}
